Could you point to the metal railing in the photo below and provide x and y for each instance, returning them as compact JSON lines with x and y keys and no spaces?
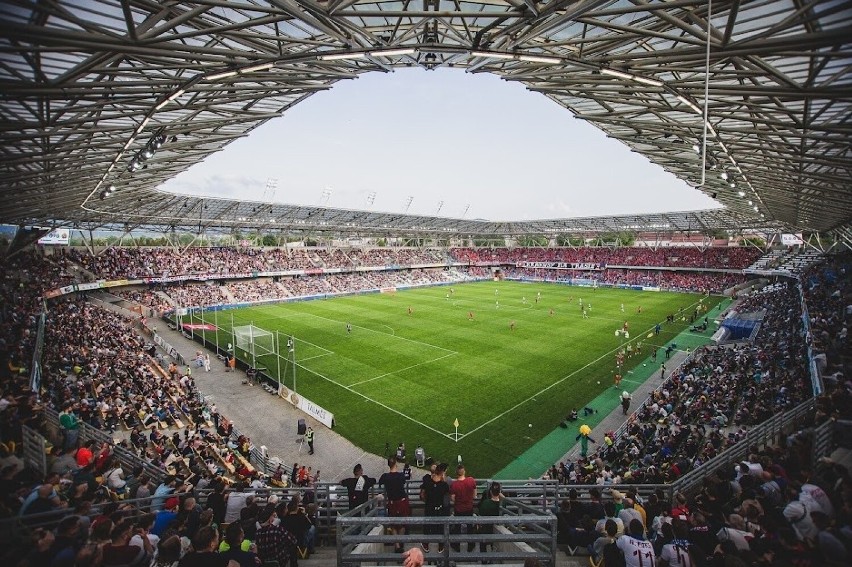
{"x":521,"y":532}
{"x":128,"y":459}
{"x":764,"y":434}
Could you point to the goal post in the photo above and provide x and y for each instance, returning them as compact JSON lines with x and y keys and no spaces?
{"x":255,"y":342}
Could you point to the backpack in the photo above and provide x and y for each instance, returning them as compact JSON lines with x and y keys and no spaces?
{"x":612,"y":556}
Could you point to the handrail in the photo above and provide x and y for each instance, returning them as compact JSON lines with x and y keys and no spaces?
{"x":523,"y":532}
{"x":126,"y":457}
{"x":758,"y":435}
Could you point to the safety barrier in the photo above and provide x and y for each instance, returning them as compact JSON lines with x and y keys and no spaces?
{"x":521,"y":532}
{"x":767,"y":433}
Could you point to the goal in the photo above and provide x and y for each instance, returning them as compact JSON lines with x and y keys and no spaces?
{"x":254,"y":340}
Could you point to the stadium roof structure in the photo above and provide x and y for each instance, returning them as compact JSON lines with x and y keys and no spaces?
{"x":104,"y":100}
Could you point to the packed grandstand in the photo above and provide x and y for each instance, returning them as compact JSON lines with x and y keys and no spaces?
{"x":100,"y":371}
{"x":316,"y":271}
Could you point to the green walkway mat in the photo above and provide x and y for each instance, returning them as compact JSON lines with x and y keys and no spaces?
{"x":550,"y":450}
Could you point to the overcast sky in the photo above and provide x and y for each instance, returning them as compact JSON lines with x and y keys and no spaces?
{"x":442,"y":135}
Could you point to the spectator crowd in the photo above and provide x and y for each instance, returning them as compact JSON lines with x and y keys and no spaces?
{"x":774,"y":507}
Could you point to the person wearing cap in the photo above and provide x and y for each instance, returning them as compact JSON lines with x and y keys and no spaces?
{"x":165,"y":516}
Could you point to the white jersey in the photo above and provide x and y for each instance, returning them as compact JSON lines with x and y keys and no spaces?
{"x":676,"y":555}
{"x":637,"y":552}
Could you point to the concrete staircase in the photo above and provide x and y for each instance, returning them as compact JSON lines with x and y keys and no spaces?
{"x":227,"y":293}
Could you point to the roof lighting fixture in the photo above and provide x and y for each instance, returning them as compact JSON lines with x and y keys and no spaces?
{"x":724,"y":175}
{"x":393,"y":52}
{"x":540,"y":59}
{"x":260,"y":67}
{"x":750,"y":203}
{"x":696,"y":149}
{"x":614,"y":73}
{"x":755,"y":208}
{"x":143,"y":124}
{"x":652,"y":82}
{"x":691,"y":105}
{"x":733,"y":185}
{"x":492,"y":55}
{"x":223,"y":75}
{"x":342,"y":56}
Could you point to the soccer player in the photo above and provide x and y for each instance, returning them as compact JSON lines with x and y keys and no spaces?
{"x":625,"y":327}
{"x":470,"y":315}
{"x":349,"y":328}
{"x":409,"y":310}
{"x":622,"y":308}
{"x":512,"y":325}
{"x":551,"y":311}
{"x":496,"y":304}
{"x":585,"y":314}
{"x":448,"y":297}
{"x":524,"y":300}
{"x":639,"y":310}
{"x":496,"y":292}
{"x":581,"y":303}
{"x":617,"y":379}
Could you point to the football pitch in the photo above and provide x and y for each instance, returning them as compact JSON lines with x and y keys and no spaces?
{"x":508,"y":360}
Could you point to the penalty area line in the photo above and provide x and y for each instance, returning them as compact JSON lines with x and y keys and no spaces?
{"x":402,"y":369}
{"x":378,"y":403}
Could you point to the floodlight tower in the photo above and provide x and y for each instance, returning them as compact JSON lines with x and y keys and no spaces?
{"x":269,"y":190}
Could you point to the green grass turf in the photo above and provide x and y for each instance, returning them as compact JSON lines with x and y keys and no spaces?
{"x":400,"y":377}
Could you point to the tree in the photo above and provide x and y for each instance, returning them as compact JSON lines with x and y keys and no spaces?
{"x":269,"y":240}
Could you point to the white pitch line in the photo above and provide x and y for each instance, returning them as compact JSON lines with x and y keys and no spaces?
{"x":329,"y":353}
{"x":378,"y":403}
{"x":402,"y":369}
{"x":522,"y":402}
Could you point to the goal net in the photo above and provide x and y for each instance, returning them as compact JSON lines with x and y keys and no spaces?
{"x":254,"y":340}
